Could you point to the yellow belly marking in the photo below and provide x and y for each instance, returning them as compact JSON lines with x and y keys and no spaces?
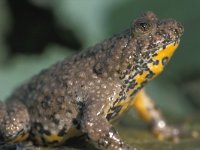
{"x":139,"y":79}
{"x":73,"y":132}
{"x":162,"y":53}
{"x":20,"y":138}
{"x":52,"y":138}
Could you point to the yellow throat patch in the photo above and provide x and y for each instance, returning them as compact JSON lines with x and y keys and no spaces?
{"x":163,"y":56}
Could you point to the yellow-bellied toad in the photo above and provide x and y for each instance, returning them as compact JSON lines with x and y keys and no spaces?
{"x":82,"y":95}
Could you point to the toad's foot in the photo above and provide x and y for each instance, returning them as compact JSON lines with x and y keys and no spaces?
{"x":14,"y":122}
{"x":163,"y":131}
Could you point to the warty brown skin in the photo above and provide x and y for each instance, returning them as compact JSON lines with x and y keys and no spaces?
{"x":82,"y":93}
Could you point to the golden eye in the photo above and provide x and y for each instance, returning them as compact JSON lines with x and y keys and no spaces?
{"x":142,"y":26}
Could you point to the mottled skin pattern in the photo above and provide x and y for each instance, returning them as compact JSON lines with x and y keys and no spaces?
{"x":82,"y":95}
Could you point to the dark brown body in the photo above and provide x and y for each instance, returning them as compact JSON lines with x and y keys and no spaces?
{"x":82,"y":94}
{"x":59,"y":94}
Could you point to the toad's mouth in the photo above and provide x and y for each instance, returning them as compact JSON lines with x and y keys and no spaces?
{"x":162,"y":57}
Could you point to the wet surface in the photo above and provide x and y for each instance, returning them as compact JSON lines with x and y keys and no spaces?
{"x":144,"y":140}
{"x":137,"y":135}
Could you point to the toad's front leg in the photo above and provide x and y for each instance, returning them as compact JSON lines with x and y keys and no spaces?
{"x":99,"y":131}
{"x":14,"y":125}
{"x":14,"y":122}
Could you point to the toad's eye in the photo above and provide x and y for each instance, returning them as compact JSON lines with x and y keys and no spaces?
{"x":142,"y":26}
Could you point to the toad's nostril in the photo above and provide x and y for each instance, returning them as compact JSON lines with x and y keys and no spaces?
{"x":176,"y":31}
{"x":180,"y":27}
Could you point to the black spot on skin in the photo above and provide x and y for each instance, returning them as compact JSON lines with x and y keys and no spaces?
{"x":164,"y":46}
{"x":121,"y":144}
{"x":149,"y":75}
{"x":164,"y":61}
{"x":86,"y":136}
{"x":136,"y":67}
{"x":132,"y":85}
{"x":123,"y":86}
{"x":78,"y":127}
{"x":81,"y":105}
{"x":135,"y":91}
{"x":56,"y":121}
{"x":141,"y":72}
{"x":130,"y":77}
{"x":46,"y":102}
{"x":115,"y":112}
{"x":98,"y":69}
{"x":156,"y":62}
{"x":116,"y":101}
{"x":41,"y":129}
{"x":121,"y":93}
{"x":129,"y":66}
{"x":126,"y":81}
{"x":122,"y":75}
{"x":76,"y":123}
{"x":47,"y":132}
{"x":109,"y":116}
{"x":154,"y":55}
{"x":47,"y":98}
{"x":175,"y":43}
{"x":62,"y":132}
{"x":122,"y":98}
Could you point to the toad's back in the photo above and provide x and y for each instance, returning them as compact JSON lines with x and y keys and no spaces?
{"x":55,"y":96}
{"x":80,"y":95}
